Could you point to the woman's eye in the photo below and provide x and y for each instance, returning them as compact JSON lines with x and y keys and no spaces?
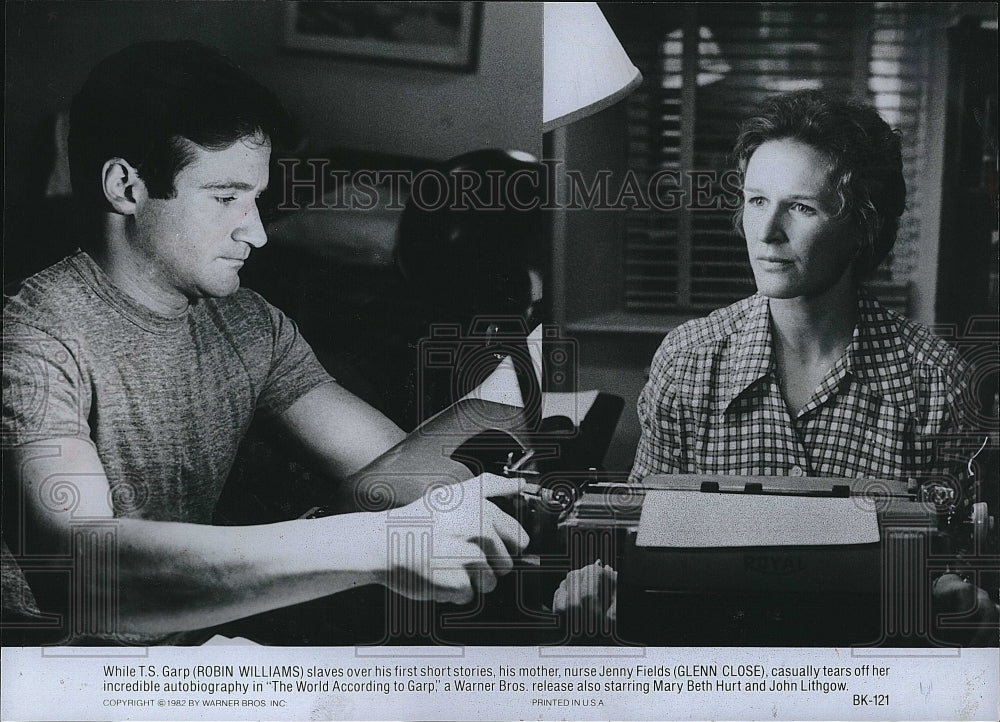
{"x":803,"y":209}
{"x":225,"y":200}
{"x":756,"y":201}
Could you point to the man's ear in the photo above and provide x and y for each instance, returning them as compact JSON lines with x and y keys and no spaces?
{"x":122,"y":185}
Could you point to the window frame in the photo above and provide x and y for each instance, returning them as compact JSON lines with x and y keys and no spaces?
{"x":589,"y":247}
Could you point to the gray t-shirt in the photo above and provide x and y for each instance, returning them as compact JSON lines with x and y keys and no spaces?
{"x":166,"y":401}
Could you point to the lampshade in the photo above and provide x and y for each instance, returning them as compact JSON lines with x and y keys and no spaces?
{"x":586,"y":68}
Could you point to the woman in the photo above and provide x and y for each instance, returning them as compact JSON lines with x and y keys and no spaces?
{"x":810,"y":376}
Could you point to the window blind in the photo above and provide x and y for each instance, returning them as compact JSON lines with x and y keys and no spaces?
{"x":706,"y":66}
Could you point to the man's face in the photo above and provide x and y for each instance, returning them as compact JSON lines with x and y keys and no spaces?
{"x":797,"y":245}
{"x":194,"y":244}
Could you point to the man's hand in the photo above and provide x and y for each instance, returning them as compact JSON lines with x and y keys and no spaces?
{"x":450,"y":543}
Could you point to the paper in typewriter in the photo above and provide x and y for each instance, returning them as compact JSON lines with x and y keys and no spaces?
{"x":696,"y":519}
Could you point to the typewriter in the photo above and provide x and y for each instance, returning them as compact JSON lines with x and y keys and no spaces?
{"x":782,"y":561}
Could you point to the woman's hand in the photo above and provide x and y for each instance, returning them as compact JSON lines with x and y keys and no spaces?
{"x":588,"y":593}
{"x":977,"y":618}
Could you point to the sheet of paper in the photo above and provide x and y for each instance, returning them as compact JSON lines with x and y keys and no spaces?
{"x":694,"y":519}
{"x":223,"y":641}
{"x":501,"y":386}
{"x":575,"y":405}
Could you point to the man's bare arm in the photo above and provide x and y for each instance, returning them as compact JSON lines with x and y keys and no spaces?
{"x":173,"y":576}
{"x":343,"y":434}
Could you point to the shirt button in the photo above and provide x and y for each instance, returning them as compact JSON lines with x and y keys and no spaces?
{"x":797,"y":471}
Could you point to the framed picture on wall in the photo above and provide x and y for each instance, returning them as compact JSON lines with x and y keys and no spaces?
{"x":442,"y":34}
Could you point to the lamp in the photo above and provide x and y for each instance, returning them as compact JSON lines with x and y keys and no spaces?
{"x":586,"y":69}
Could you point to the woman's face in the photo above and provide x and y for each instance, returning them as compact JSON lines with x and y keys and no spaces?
{"x":798,"y":244}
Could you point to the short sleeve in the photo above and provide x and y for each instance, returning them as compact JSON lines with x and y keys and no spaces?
{"x":660,"y":450}
{"x":45,"y":393}
{"x":294,"y":369}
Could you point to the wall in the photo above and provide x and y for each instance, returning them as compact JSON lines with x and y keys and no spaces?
{"x":377,"y":107}
{"x":586,"y":284}
{"x":427,"y":112}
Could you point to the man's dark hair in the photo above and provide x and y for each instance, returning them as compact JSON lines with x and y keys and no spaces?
{"x":149,"y":102}
{"x":864,"y":154}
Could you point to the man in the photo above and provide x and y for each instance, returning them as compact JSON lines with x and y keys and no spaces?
{"x":132,"y":371}
{"x":811,"y":376}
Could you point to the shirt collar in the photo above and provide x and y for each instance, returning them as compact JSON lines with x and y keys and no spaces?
{"x":752,"y":356}
{"x":876,"y":357}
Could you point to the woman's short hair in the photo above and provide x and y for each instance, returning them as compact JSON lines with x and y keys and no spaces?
{"x":864,"y":154}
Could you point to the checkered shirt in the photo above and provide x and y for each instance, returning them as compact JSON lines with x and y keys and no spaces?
{"x":712,"y":404}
